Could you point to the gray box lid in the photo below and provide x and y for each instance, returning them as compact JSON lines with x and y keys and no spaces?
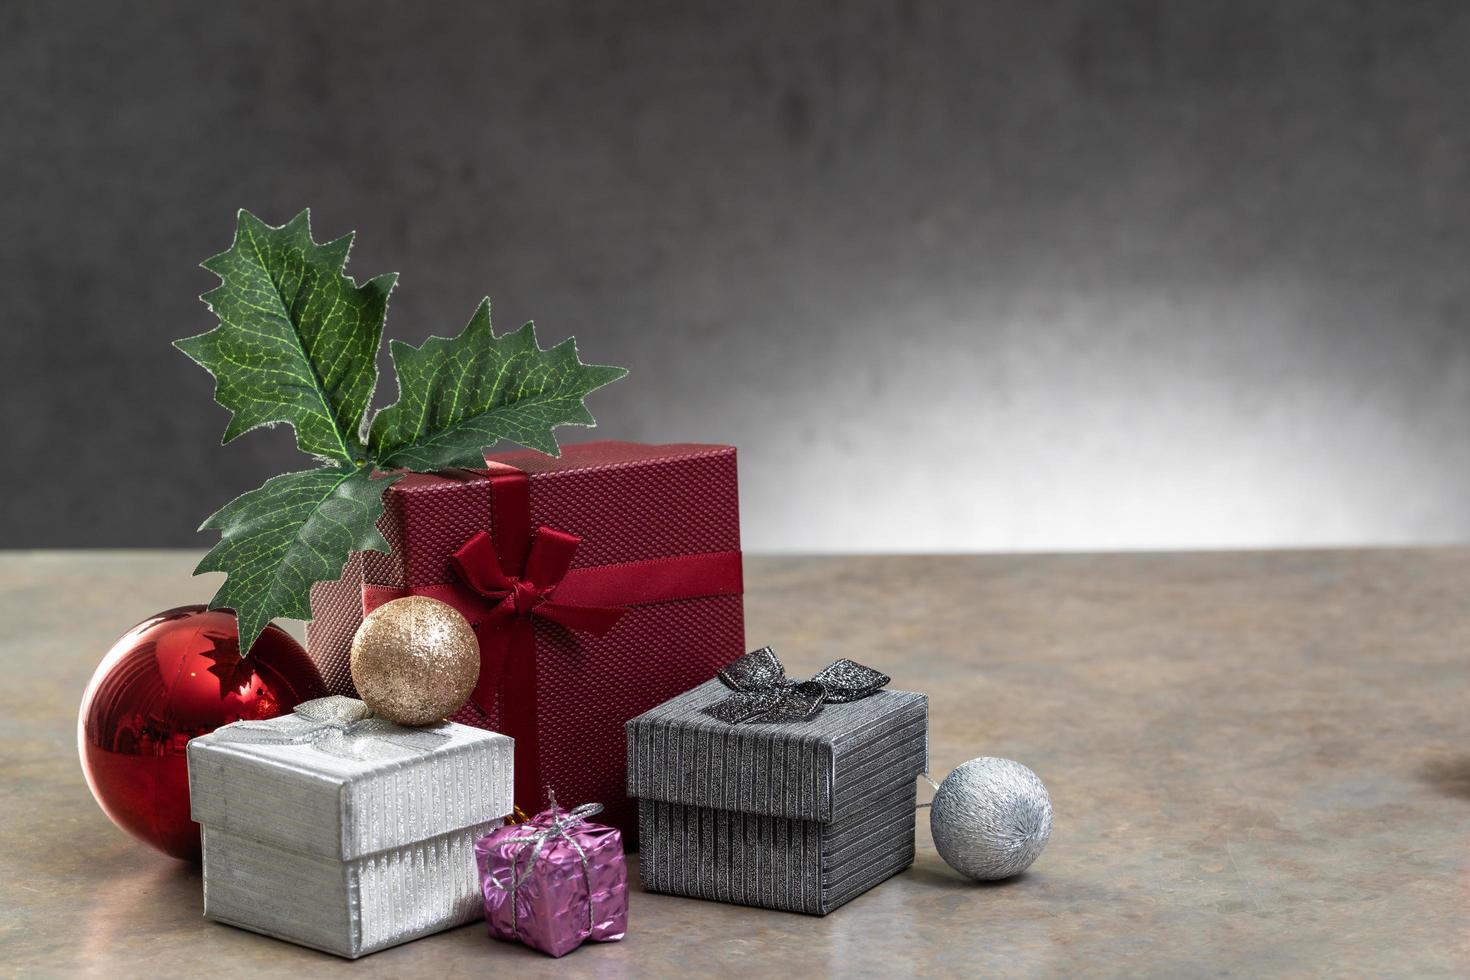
{"x":384,"y":787}
{"x":817,"y":769}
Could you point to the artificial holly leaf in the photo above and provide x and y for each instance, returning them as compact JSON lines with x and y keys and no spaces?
{"x":297,"y":340}
{"x":294,"y":530}
{"x":458,"y":395}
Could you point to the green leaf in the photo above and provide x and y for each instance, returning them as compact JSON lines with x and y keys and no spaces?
{"x":459,"y":395}
{"x":297,"y":340}
{"x":295,"y":530}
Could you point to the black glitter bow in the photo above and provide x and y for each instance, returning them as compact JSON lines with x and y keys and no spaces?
{"x":763,"y":692}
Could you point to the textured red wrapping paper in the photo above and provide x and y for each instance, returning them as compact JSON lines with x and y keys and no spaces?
{"x":667,"y":516}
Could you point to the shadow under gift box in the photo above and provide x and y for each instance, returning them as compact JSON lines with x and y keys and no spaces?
{"x":350,"y":836}
{"x":802,"y":816}
{"x":658,"y":529}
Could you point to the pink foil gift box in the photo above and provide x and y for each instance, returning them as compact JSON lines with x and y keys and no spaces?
{"x":556,"y":881}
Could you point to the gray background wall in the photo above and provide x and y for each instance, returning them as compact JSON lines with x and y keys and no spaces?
{"x":1067,"y":275}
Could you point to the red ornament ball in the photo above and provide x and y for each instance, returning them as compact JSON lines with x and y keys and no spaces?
{"x":174,"y":676}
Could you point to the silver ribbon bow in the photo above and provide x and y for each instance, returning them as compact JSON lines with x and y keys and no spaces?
{"x":562,"y":821}
{"x":340,"y":726}
{"x":763,"y":692}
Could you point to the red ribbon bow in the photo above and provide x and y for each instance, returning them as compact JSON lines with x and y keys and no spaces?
{"x":506,"y":628}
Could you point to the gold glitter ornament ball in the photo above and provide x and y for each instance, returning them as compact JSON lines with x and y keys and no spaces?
{"x":415,"y":660}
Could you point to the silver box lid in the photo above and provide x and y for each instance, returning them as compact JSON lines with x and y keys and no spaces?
{"x":817,"y":769}
{"x":349,"y":787}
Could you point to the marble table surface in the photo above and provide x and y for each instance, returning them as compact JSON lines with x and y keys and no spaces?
{"x":1260,"y":766}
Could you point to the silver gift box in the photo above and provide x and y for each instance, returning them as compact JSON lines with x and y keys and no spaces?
{"x":801,"y":816}
{"x":343,"y":832}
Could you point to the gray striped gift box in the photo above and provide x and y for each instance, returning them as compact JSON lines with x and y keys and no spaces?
{"x":344,"y":832}
{"x":801,"y":816}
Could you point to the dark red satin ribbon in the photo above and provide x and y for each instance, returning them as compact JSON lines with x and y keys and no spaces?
{"x":523,"y":573}
{"x":505,"y":628}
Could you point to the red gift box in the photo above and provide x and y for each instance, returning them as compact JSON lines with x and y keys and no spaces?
{"x":600,"y":583}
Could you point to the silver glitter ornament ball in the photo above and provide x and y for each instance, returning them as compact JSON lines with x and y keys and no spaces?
{"x":990,"y":818}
